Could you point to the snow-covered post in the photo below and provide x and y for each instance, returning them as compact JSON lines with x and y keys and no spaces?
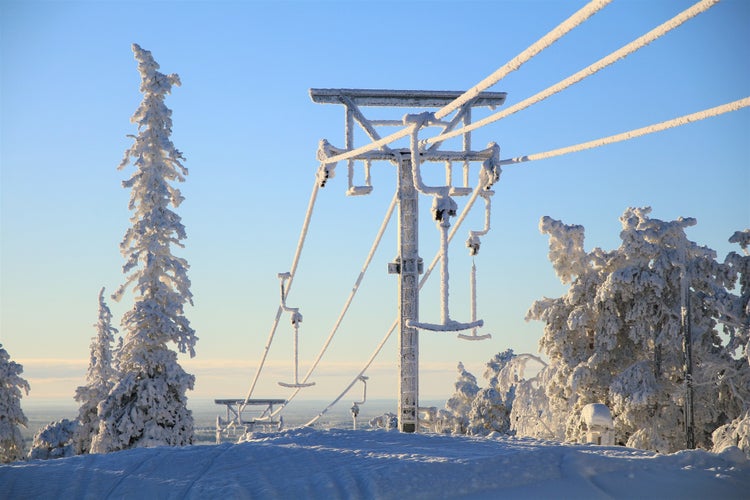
{"x":11,"y":414}
{"x":355,"y":412}
{"x":148,"y":404}
{"x":461,"y":401}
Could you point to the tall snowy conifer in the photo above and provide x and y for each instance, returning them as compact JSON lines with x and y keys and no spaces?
{"x":148,"y":405}
{"x":11,"y":414}
{"x":460,"y":403}
{"x":616,"y":336}
{"x":100,"y":378}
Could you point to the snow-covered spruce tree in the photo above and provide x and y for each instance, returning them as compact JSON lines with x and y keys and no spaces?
{"x":148,"y":405}
{"x":501,"y":373}
{"x":488,"y":413}
{"x":11,"y":414}
{"x":735,"y":433}
{"x":490,"y":409}
{"x":55,"y":440}
{"x":570,"y":322}
{"x":480,"y":411}
{"x":525,"y":409}
{"x":100,"y":378}
{"x":616,"y":336}
{"x":737,"y":328}
{"x":532,"y":414}
{"x":460,"y":403}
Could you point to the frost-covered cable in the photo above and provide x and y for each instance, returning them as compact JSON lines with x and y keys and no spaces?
{"x":632,"y":134}
{"x":295,"y":262}
{"x":355,"y":289}
{"x":612,"y":58}
{"x":561,"y":30}
{"x":360,"y":374}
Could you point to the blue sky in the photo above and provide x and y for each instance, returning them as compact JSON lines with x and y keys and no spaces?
{"x":249,"y":132}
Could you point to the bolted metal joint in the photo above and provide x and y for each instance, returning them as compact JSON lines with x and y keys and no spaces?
{"x":395,"y":266}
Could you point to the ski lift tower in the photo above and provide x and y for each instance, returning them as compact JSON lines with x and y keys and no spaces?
{"x":408,"y":264}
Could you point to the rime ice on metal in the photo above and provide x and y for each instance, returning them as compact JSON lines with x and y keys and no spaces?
{"x":408,"y":264}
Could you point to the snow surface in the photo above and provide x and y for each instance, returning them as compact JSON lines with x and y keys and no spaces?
{"x":308,"y":463}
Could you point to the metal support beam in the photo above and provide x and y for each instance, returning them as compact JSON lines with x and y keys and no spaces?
{"x":408,"y":256}
{"x":403,"y":98}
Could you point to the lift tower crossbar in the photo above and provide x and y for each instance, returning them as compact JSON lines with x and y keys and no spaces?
{"x":408,"y":264}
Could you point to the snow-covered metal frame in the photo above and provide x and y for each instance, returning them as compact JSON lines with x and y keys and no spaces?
{"x":408,"y":264}
{"x":238,"y":422}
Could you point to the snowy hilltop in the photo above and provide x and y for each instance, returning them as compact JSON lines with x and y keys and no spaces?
{"x":307,"y":463}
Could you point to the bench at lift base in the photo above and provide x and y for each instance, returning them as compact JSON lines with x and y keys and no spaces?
{"x":244,"y":415}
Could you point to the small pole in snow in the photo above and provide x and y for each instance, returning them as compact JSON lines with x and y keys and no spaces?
{"x":355,"y":412}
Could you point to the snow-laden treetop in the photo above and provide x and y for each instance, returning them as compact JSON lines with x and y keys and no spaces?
{"x":162,"y":286}
{"x":153,"y":82}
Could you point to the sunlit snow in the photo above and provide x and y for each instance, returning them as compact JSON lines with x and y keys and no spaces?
{"x":307,"y":463}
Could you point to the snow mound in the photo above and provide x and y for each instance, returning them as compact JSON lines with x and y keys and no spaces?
{"x":597,"y":414}
{"x":307,"y":463}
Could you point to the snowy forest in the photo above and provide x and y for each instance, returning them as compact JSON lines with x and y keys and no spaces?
{"x":135,"y":392}
{"x":656,"y":330}
{"x":651,"y":329}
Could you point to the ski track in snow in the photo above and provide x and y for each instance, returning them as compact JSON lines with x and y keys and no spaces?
{"x":307,"y":463}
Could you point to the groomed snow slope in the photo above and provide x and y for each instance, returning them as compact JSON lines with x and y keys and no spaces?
{"x":307,"y":463}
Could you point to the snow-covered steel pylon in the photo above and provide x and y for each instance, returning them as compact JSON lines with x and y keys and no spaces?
{"x":408,"y":264}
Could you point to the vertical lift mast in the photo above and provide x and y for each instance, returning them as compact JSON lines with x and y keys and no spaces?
{"x":408,"y":264}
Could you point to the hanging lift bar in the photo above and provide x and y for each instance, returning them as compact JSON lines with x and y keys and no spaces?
{"x":296,"y":320}
{"x":443,"y":208}
{"x":473,"y":243}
